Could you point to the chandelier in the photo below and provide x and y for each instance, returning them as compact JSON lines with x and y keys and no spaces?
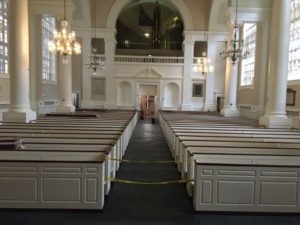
{"x":202,"y":65}
{"x":234,"y":48}
{"x":64,"y":41}
{"x":95,"y":60}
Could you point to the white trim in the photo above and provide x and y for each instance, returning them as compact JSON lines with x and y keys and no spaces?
{"x":106,"y":33}
{"x":4,"y":76}
{"x":212,"y":36}
{"x":52,"y":82}
{"x":250,"y":14}
{"x":293,"y":82}
{"x":245,"y":87}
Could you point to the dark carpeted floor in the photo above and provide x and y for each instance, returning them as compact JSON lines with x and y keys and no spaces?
{"x":144,"y":204}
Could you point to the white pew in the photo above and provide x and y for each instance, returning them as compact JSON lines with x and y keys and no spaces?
{"x":195,"y":153}
{"x":182,"y":159}
{"x":58,"y":180}
{"x":247,"y":183}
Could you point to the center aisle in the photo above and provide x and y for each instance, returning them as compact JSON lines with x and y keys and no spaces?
{"x":144,"y":204}
{"x":129,"y":204}
{"x":148,"y":204}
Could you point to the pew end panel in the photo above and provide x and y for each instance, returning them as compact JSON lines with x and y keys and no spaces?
{"x":260,"y":185}
{"x":49,"y":182}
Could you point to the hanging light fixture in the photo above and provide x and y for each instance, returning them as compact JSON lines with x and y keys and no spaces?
{"x":202,"y":65}
{"x":64,"y":41}
{"x":234,"y":48}
{"x":96,"y":63}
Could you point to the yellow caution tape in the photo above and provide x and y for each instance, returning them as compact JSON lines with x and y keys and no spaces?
{"x":140,"y":161}
{"x":150,"y":183}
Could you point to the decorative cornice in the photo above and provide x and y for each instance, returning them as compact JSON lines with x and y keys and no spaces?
{"x":249,"y":14}
{"x":135,"y":78}
{"x":194,"y":35}
{"x":100,"y":32}
{"x":149,"y":73}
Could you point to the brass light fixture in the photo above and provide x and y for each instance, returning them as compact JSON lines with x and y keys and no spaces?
{"x":202,"y":65}
{"x":95,"y":60}
{"x":64,"y":41}
{"x":234,"y":48}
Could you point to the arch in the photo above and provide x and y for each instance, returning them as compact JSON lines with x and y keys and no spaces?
{"x":218,"y":23}
{"x":125,"y":94}
{"x":119,"y":5}
{"x":171,"y":95}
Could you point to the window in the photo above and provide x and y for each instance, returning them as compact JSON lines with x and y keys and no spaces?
{"x":294,"y":49}
{"x":248,"y":64}
{"x":49,"y":59}
{"x":3,"y":38}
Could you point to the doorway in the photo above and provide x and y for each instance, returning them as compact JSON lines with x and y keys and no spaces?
{"x":148,"y":107}
{"x":148,"y":100}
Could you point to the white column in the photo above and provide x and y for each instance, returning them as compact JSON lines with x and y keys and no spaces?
{"x":86,"y":101}
{"x":275,"y":115}
{"x":231,"y":77}
{"x":33,"y":20}
{"x":36,"y":67}
{"x":65,"y":86}
{"x":209,"y":101}
{"x":110,"y":98}
{"x":187,"y":73}
{"x":263,"y":30}
{"x":18,"y":44}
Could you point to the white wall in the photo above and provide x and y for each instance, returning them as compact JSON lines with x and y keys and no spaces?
{"x":125,"y":94}
{"x":171,"y":96}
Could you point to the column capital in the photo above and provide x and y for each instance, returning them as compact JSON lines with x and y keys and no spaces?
{"x":188,"y":42}
{"x":110,"y":40}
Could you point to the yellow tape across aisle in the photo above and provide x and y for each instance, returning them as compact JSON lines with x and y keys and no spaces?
{"x":150,"y":183}
{"x":141,"y":161}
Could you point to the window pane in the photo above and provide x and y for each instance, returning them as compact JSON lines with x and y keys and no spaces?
{"x":49,"y":60}
{"x":294,"y":49}
{"x":3,"y":38}
{"x":248,"y":64}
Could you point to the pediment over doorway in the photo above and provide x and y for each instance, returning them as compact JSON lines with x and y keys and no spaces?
{"x":149,"y":73}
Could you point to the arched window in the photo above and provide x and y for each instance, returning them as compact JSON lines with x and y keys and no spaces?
{"x":49,"y":59}
{"x":294,"y":49}
{"x":248,"y":64}
{"x":3,"y":38}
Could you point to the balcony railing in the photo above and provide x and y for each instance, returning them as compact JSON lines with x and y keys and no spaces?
{"x":149,"y":59}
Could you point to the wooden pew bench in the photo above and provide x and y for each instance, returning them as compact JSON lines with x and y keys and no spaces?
{"x":247,"y":183}
{"x":232,"y":143}
{"x":59,"y":142}
{"x":195,"y":153}
{"x":216,"y":133}
{"x":110,"y":167}
{"x":73,"y":137}
{"x":54,"y":180}
{"x":119,"y":133}
{"x":173,"y":136}
{"x":78,"y":135}
{"x":194,"y":136}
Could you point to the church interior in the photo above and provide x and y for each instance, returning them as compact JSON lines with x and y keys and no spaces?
{"x":149,"y":112}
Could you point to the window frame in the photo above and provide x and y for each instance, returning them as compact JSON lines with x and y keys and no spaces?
{"x":49,"y":60}
{"x":4,"y":39}
{"x":294,"y":46}
{"x":250,"y":43}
